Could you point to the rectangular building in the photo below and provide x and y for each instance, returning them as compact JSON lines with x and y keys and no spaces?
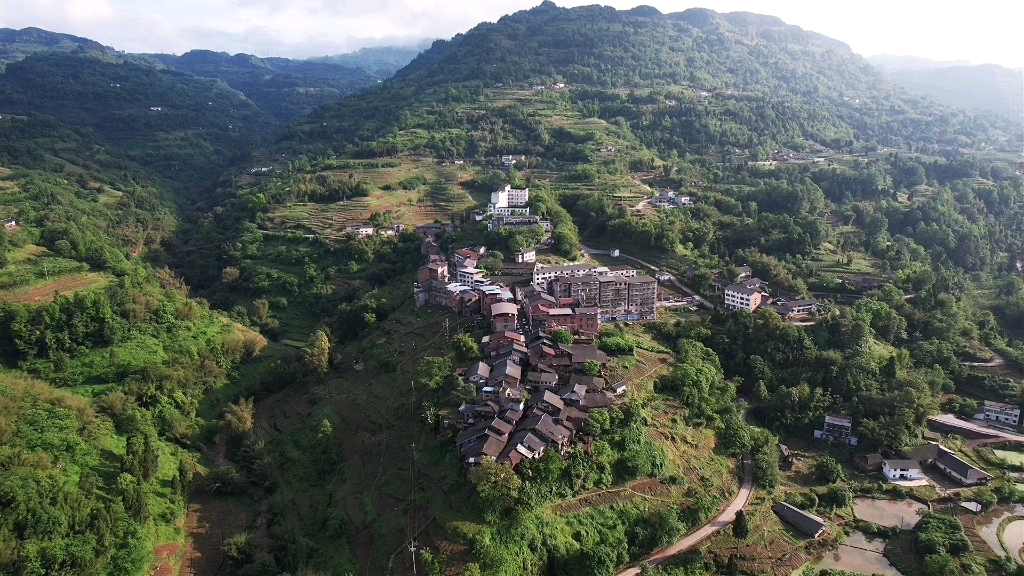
{"x":1000,"y":412}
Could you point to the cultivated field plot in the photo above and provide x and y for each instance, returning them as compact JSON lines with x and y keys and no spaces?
{"x":904,"y":514}
{"x":1013,"y":538}
{"x":417,"y":201}
{"x":44,"y":292}
{"x":1010,"y":456}
{"x":859,"y":555}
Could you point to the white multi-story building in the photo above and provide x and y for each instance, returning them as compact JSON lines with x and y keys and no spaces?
{"x":510,"y":201}
{"x":471,"y":277}
{"x":999,"y":412}
{"x":739,"y":297}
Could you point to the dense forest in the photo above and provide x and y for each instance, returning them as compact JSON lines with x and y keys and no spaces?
{"x":176,"y":327}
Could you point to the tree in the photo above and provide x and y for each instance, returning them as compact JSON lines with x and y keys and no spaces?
{"x":592,"y":368}
{"x":827,"y":470}
{"x":239,"y":549}
{"x":239,"y":418}
{"x":940,"y":565}
{"x":562,"y":336}
{"x":433,"y":371}
{"x":496,"y":484}
{"x":734,"y":437}
{"x":741,"y":526}
{"x":317,"y":353}
{"x":465,"y":347}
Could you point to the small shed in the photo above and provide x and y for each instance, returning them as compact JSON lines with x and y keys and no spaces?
{"x":805,"y":522}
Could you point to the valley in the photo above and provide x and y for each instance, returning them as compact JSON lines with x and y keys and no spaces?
{"x":564,"y":291}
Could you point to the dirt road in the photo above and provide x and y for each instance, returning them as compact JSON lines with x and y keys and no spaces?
{"x":723,"y":520}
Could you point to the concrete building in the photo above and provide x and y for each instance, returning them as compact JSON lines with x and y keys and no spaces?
{"x":902,"y":470}
{"x":961,"y":471}
{"x":525,"y":256}
{"x":504,"y":317}
{"x":510,"y":201}
{"x":619,"y":298}
{"x":837,"y":428}
{"x":999,"y":412}
{"x":739,"y":297}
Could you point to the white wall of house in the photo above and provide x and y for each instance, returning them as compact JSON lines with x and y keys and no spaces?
{"x":909,"y":473}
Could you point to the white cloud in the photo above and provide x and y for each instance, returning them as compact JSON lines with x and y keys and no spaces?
{"x":984,"y":31}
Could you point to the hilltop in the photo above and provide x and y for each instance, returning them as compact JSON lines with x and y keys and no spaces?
{"x":750,"y":61}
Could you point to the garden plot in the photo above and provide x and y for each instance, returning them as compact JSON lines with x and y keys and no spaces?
{"x":1010,"y":456}
{"x":1013,"y":537}
{"x":859,"y":555}
{"x":989,"y":532}
{"x":904,"y":514}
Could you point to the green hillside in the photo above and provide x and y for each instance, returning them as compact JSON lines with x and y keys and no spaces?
{"x":285,"y":89}
{"x":753,"y":71}
{"x":17,"y":44}
{"x":245,"y":336}
{"x":186,"y":129}
{"x":986,"y":87}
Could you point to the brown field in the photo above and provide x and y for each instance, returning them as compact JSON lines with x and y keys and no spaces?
{"x":44,"y":292}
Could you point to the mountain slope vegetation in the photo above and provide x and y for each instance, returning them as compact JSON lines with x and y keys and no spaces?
{"x":986,"y":87}
{"x":186,"y":129}
{"x":285,"y":89}
{"x":17,"y":44}
{"x":758,"y":62}
{"x":333,"y":450}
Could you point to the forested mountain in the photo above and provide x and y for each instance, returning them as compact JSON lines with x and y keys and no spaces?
{"x":757,"y":63}
{"x":285,"y":89}
{"x":382,"y":61}
{"x":186,"y":129}
{"x":891,"y":63}
{"x":17,"y":44}
{"x":245,"y":336}
{"x":986,"y":87}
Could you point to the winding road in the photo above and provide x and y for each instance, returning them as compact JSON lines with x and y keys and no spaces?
{"x":723,"y":520}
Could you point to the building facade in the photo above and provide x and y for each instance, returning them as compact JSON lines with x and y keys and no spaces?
{"x":999,"y":412}
{"x":897,"y":470}
{"x":739,"y":297}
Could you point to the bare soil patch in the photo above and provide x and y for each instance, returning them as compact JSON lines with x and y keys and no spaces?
{"x":904,"y":514}
{"x":165,"y":557}
{"x":44,"y":292}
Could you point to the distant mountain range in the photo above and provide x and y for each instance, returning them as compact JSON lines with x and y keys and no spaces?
{"x":283,"y":88}
{"x":984,"y":86}
{"x":381,"y":61}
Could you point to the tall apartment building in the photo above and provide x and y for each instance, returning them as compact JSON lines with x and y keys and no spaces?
{"x":620,"y":298}
{"x":509,"y":201}
{"x":542,"y":274}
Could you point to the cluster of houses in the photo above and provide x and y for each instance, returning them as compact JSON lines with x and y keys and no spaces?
{"x":909,"y":467}
{"x":367,"y":230}
{"x":750,"y":293}
{"x":667,"y":198}
{"x":531,"y":395}
{"x":576,"y":297}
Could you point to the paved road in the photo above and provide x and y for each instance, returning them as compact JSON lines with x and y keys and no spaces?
{"x":697,"y":297}
{"x":723,"y":520}
{"x":951,"y":420}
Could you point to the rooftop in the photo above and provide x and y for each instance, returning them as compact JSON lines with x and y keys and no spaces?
{"x":504,"y":308}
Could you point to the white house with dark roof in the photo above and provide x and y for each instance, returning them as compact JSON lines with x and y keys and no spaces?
{"x":898,"y":470}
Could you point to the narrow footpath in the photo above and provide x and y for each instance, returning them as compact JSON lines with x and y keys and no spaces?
{"x":723,"y":520}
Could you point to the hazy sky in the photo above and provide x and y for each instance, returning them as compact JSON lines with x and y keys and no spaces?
{"x":978,"y":31}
